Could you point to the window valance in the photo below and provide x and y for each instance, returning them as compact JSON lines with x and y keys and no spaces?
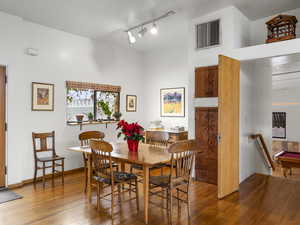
{"x":93,"y":86}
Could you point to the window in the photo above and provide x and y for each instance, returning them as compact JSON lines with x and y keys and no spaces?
{"x":208,"y":34}
{"x":279,"y":125}
{"x":91,"y":101}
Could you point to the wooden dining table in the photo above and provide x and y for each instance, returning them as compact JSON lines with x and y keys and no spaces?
{"x":147,"y":156}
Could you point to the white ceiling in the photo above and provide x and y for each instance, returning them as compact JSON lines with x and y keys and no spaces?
{"x":102,"y":18}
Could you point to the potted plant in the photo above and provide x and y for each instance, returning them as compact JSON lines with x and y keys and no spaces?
{"x":79,"y":118}
{"x":90,"y":115}
{"x":132,"y":134}
{"x":105,"y":108}
{"x":117,"y":115}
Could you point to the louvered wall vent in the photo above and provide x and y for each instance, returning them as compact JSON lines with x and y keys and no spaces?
{"x":208,"y":34}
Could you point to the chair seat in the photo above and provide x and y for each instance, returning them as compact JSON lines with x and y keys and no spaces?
{"x":156,"y":166}
{"x":164,"y":181}
{"x":50,"y":158}
{"x":118,"y":176}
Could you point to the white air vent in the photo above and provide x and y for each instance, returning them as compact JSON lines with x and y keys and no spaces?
{"x":208,"y":34}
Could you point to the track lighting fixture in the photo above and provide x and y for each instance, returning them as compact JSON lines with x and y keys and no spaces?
{"x":131,"y":38}
{"x":142,"y":32}
{"x":143,"y":29}
{"x":154,"y":29}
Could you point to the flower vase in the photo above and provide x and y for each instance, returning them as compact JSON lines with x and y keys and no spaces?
{"x":133,"y":145}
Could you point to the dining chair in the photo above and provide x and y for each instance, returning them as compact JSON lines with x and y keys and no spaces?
{"x":85,"y":138}
{"x":105,"y":176}
{"x":42,"y":146}
{"x":179,"y":177}
{"x":155,"y":138}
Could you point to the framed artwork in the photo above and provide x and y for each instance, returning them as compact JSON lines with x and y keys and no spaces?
{"x":42,"y":97}
{"x":131,"y":103}
{"x":172,"y":102}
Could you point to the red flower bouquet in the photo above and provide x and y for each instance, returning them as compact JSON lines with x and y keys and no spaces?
{"x":132,"y":133}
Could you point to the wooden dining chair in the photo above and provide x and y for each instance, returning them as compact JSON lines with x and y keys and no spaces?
{"x":155,"y":138}
{"x":179,"y":177}
{"x":41,"y":146}
{"x":85,"y":138}
{"x":105,"y":176}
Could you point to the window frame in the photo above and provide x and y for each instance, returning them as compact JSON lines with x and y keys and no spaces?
{"x":117,"y":107}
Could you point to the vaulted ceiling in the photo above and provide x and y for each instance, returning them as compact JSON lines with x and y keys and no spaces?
{"x":101,"y":18}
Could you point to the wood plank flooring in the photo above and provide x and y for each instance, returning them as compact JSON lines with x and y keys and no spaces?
{"x":262,"y":200}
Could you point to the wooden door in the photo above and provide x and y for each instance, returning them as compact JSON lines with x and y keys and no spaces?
{"x":213,"y":81}
{"x":201,"y":82}
{"x":206,"y":82}
{"x":228,"y":123}
{"x":206,"y":166}
{"x":2,"y":125}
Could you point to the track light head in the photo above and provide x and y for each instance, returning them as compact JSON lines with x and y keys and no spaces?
{"x":154,"y":29}
{"x":142,"y":32}
{"x":131,"y":38}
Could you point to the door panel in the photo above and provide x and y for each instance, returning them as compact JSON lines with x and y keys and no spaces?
{"x":228,"y":123}
{"x":202,"y":128}
{"x":201,"y":82}
{"x":2,"y":126}
{"x":213,"y":81}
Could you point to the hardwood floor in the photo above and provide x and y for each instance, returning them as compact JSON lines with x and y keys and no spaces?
{"x":262,"y":200}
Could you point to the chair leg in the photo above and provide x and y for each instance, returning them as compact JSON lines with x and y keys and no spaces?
{"x":53,"y":171}
{"x":63,"y":171}
{"x":98,"y":195}
{"x":137,"y":194}
{"x":168,"y":206}
{"x":188,"y":207}
{"x":178,"y":201}
{"x":44,"y":174}
{"x":112,"y":201}
{"x":119,"y":193}
{"x":35,"y":173}
{"x":131,"y":170}
{"x":171,"y":207}
{"x":86,"y":178}
{"x":161,"y":171}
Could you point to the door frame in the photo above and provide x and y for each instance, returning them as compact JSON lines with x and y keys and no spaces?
{"x":4,"y":67}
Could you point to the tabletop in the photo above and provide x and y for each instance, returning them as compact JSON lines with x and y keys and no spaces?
{"x":146,"y":155}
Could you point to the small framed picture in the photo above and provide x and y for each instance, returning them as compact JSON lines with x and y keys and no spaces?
{"x":42,"y":97}
{"x":131,"y":103}
{"x":172,"y":102}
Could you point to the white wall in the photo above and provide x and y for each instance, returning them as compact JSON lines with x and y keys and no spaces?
{"x":285,"y":97}
{"x":258,"y":28}
{"x":62,"y":57}
{"x":165,"y":69}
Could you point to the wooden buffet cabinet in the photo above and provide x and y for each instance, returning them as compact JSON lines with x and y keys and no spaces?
{"x":173,"y":135}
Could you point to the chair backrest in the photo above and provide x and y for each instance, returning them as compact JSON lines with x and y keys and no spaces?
{"x":86,"y":136}
{"x":182,"y":159}
{"x":40,"y":143}
{"x":101,"y":158}
{"x":158,"y":138}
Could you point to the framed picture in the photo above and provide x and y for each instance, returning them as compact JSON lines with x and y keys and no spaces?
{"x":131,"y":103}
{"x":172,"y":102}
{"x":42,"y":97}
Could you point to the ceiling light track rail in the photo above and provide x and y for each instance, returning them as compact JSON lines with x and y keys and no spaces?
{"x":170,"y":13}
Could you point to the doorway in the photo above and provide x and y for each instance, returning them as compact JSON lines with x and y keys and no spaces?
{"x":270,"y":106}
{"x":2,"y":125}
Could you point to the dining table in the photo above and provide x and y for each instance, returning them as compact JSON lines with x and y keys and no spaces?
{"x":146,"y":156}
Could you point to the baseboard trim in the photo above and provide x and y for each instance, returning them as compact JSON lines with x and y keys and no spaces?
{"x":30,"y":181}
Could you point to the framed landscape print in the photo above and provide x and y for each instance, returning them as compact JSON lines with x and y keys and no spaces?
{"x":131,"y":103}
{"x":172,"y":102}
{"x":42,"y":97}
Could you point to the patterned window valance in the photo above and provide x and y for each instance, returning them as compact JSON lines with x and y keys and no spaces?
{"x":93,"y":86}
